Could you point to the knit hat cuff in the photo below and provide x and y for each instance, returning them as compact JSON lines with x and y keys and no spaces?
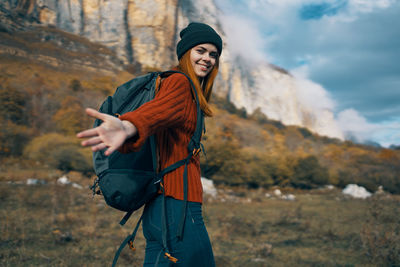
{"x":194,"y":38}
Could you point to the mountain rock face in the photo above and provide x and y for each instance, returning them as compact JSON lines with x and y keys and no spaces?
{"x":279,"y":96}
{"x":145,"y":33}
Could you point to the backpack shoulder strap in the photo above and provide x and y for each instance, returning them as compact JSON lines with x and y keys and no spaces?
{"x":194,"y":148}
{"x":194,"y":144}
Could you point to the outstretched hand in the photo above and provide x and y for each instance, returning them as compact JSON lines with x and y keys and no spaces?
{"x":111,"y":134}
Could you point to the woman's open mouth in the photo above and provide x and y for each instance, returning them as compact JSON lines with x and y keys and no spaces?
{"x":203,"y":68}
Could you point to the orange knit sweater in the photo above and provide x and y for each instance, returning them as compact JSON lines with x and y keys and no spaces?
{"x":171,"y":115}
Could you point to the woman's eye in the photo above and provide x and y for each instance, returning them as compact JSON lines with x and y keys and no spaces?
{"x":213,"y":55}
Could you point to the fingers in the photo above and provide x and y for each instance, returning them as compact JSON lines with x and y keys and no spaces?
{"x":95,"y":114}
{"x":87,"y":133}
{"x":92,"y":141}
{"x":99,"y":147}
{"x":109,"y":151}
{"x":94,"y":134}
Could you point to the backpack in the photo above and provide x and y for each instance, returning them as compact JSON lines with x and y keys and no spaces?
{"x":128,"y":181}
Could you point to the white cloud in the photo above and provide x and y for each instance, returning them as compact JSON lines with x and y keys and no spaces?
{"x":310,"y":93}
{"x":388,"y":133}
{"x":244,"y":38}
{"x":356,"y":8}
{"x":355,"y":125}
{"x":366,"y":6}
{"x":352,"y":123}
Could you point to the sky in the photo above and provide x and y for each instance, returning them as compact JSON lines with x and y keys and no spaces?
{"x":349,"y":49}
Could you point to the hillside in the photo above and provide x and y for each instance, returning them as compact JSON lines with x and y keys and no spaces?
{"x":144,"y":34}
{"x":255,"y":151}
{"x":48,"y":77}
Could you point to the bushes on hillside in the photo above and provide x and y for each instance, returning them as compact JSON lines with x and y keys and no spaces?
{"x":222,"y":163}
{"x":258,"y":170}
{"x":308,"y":173}
{"x":14,"y":133}
{"x":229,"y":163}
{"x":70,"y":117}
{"x":59,"y":152}
{"x":69,"y":158}
{"x":13,"y":138}
{"x":12,"y":105}
{"x":255,"y":152}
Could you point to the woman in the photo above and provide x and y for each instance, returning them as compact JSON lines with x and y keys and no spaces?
{"x":171,"y":115}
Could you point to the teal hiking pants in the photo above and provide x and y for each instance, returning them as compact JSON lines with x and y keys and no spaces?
{"x":194,"y":250}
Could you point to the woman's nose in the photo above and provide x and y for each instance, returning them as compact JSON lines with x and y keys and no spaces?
{"x":206,"y":57}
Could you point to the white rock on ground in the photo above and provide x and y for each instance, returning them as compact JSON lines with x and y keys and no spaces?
{"x":63,"y":180}
{"x":277,"y":192}
{"x":356,"y":191}
{"x":33,"y":181}
{"x":75,"y":185}
{"x":380,"y":190}
{"x":330,"y":187}
{"x":208,"y":187}
{"x":290,"y":197}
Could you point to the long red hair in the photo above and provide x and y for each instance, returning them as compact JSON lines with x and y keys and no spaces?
{"x":203,"y":87}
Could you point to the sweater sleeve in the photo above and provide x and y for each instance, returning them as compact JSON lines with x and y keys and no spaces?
{"x":167,"y":109}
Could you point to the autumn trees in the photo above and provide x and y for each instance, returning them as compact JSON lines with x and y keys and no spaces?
{"x":14,"y":133}
{"x":41,"y":110}
{"x":259,"y":152}
{"x":40,"y":114}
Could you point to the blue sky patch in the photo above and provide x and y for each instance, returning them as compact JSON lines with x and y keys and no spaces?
{"x":317,"y":11}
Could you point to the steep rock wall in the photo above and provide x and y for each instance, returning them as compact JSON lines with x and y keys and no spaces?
{"x":145,"y":32}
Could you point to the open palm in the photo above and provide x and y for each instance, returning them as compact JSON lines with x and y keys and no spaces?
{"x":111,"y":134}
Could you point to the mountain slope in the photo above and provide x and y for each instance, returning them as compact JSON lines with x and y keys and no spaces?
{"x":144,"y":33}
{"x":42,"y":106}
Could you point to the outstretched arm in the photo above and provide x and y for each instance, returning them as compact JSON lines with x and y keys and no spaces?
{"x":111,"y":134}
{"x":168,"y":109}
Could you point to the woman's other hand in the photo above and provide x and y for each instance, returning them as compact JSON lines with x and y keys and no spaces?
{"x":111,"y":134}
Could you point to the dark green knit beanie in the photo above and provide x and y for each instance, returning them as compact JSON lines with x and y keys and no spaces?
{"x":197,"y":33}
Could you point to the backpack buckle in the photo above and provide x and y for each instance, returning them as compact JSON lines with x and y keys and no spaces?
{"x":131,"y":245}
{"x":196,"y":151}
{"x":94,"y":187}
{"x":173,"y":259}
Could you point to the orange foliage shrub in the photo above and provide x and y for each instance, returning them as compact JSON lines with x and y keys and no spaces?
{"x":70,"y":118}
{"x":59,"y":151}
{"x":13,"y":138}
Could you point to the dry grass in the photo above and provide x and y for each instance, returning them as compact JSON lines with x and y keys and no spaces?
{"x":54,"y":225}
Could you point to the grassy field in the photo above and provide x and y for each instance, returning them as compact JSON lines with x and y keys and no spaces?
{"x":60,"y":225}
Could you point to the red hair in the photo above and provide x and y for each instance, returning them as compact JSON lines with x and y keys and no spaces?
{"x":203,"y":87}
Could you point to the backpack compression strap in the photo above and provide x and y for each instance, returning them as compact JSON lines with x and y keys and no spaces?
{"x":128,"y":240}
{"x":194,"y":148}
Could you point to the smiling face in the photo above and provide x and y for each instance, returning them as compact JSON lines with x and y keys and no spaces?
{"x":203,"y":58}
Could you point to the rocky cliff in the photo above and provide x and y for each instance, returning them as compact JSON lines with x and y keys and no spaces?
{"x":145,"y":32}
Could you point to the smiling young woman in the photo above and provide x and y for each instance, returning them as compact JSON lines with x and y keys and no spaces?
{"x":201,"y":64}
{"x":171,"y":116}
{"x":203,"y":58}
